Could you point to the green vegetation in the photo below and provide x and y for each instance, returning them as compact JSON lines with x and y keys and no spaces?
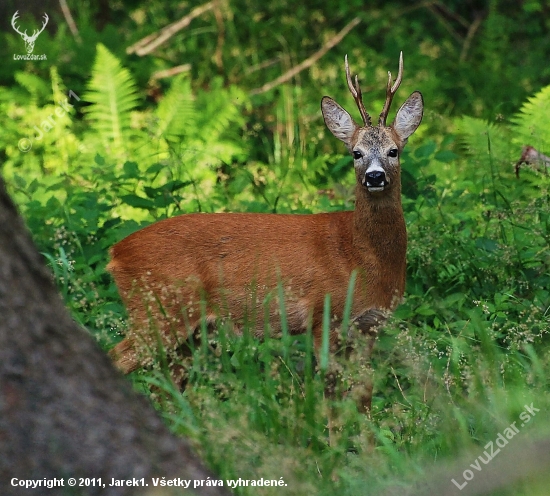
{"x":469,"y":346}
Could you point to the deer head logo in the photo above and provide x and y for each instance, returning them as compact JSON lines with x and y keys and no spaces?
{"x":29,"y":40}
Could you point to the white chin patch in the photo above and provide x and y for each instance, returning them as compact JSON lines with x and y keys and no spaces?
{"x":376,"y":189}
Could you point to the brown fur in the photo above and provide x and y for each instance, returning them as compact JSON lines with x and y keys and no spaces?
{"x":234,"y":261}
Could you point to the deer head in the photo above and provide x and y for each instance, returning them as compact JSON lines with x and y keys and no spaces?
{"x":29,"y":40}
{"x":375,"y":149}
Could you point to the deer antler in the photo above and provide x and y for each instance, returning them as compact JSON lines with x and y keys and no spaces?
{"x":14,"y":26}
{"x":357,"y":95}
{"x":390,"y":91}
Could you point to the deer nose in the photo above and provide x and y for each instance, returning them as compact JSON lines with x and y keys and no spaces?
{"x":375,"y":179}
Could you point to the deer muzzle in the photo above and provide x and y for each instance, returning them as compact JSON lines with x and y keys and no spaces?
{"x":375,"y":180}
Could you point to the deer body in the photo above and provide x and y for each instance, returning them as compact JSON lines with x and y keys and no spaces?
{"x":319,"y":257}
{"x":234,"y":261}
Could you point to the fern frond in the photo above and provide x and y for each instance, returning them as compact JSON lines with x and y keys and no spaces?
{"x":532,"y":122}
{"x":484,"y":140}
{"x":113,"y":95}
{"x":176,"y":111}
{"x":35,"y":85}
{"x":58,"y":88}
{"x":221,"y":111}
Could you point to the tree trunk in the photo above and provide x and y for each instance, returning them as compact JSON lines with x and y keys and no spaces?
{"x":64,"y":410}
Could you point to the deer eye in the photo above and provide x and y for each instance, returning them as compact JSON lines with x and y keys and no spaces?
{"x":357,"y":155}
{"x":392,"y":152}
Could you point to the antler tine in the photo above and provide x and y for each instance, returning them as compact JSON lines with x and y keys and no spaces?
{"x":357,"y":95}
{"x":390,"y":91}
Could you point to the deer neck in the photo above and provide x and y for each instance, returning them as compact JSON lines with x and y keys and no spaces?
{"x":379,"y":226}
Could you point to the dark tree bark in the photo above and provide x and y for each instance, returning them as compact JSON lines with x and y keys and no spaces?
{"x":64,"y":410}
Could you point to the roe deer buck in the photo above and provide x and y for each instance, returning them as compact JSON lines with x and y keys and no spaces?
{"x":232,"y":261}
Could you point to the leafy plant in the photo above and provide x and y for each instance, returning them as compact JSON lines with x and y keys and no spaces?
{"x":531,"y":125}
{"x":113,"y":96}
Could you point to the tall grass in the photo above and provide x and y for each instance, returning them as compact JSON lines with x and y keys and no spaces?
{"x":455,"y":366}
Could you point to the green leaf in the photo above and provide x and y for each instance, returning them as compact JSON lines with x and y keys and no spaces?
{"x":155,"y":168}
{"x":137,"y":202}
{"x":175,"y":185}
{"x":486,"y":244}
{"x":19,"y":181}
{"x":131,"y":169}
{"x":446,"y":156}
{"x":426,"y":150}
{"x":343,"y":163}
{"x":425,"y":309}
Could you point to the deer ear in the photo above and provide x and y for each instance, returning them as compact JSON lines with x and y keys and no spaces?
{"x":409,"y":116}
{"x":338,"y":120}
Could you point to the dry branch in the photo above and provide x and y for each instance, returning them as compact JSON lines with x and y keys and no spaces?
{"x":70,"y":20}
{"x":452,"y":14}
{"x":151,"y":42}
{"x":218,"y":54}
{"x":309,"y":61}
{"x":446,"y":24}
{"x":472,"y":29}
{"x":173,"y":71}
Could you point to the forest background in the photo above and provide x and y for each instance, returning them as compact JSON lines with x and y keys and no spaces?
{"x":108,"y":134}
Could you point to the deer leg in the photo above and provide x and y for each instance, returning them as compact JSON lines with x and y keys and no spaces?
{"x":360,"y":342}
{"x":124,"y":356}
{"x":155,"y":332}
